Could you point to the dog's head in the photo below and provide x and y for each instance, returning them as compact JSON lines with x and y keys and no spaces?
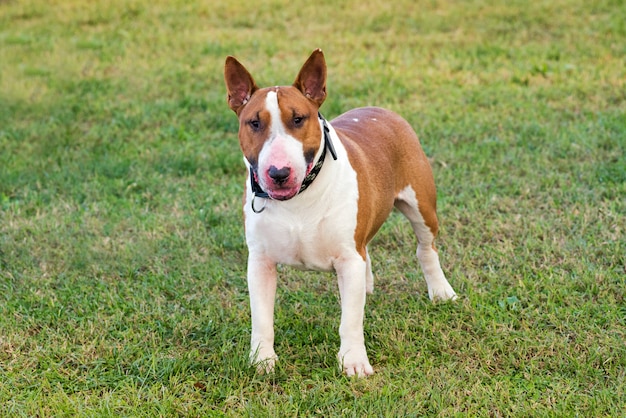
{"x":279,"y":129}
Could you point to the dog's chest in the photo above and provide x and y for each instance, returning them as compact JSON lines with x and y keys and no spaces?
{"x":311,"y":239}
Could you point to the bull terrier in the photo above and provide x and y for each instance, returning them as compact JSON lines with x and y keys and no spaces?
{"x":318,"y":191}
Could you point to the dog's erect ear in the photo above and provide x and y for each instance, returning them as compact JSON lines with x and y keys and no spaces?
{"x":311,"y":80}
{"x":239,"y":84}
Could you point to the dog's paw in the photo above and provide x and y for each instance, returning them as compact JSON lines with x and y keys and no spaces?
{"x":354,"y":361}
{"x":441,"y":293}
{"x":266,"y":366}
{"x":264,"y":362}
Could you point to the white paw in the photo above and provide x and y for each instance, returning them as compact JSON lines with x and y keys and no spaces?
{"x":441,"y":293}
{"x":264,"y":361}
{"x":353,"y":361}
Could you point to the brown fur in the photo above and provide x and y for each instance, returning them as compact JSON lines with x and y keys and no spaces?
{"x":381,"y":139}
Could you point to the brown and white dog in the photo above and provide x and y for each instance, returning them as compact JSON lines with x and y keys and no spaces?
{"x":318,"y":192}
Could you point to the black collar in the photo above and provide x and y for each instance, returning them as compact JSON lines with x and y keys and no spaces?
{"x":328,"y":145}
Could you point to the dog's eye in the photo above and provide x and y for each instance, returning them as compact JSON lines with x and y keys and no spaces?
{"x":298,"y":121}
{"x":255,"y":124}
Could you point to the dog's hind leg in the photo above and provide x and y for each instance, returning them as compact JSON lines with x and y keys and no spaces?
{"x":425,"y":231}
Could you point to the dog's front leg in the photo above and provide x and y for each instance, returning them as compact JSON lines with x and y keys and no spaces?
{"x":351,"y":273}
{"x":262,"y":288}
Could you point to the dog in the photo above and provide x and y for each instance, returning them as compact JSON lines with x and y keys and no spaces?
{"x":316,"y":194}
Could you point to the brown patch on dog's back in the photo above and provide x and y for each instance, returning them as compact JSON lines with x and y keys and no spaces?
{"x":384,"y":151}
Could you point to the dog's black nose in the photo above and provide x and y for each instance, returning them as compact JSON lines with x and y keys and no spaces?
{"x":279,"y":175}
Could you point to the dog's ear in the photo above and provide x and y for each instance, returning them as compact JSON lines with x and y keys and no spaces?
{"x":311,"y":80}
{"x":239,"y":84}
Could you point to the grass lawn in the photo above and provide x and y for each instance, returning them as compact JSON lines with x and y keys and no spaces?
{"x":122,"y":257}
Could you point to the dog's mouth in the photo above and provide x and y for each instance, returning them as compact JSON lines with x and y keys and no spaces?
{"x":283,"y":189}
{"x":283,"y":194}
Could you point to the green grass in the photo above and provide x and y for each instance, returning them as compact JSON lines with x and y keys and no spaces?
{"x":122,"y":257}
